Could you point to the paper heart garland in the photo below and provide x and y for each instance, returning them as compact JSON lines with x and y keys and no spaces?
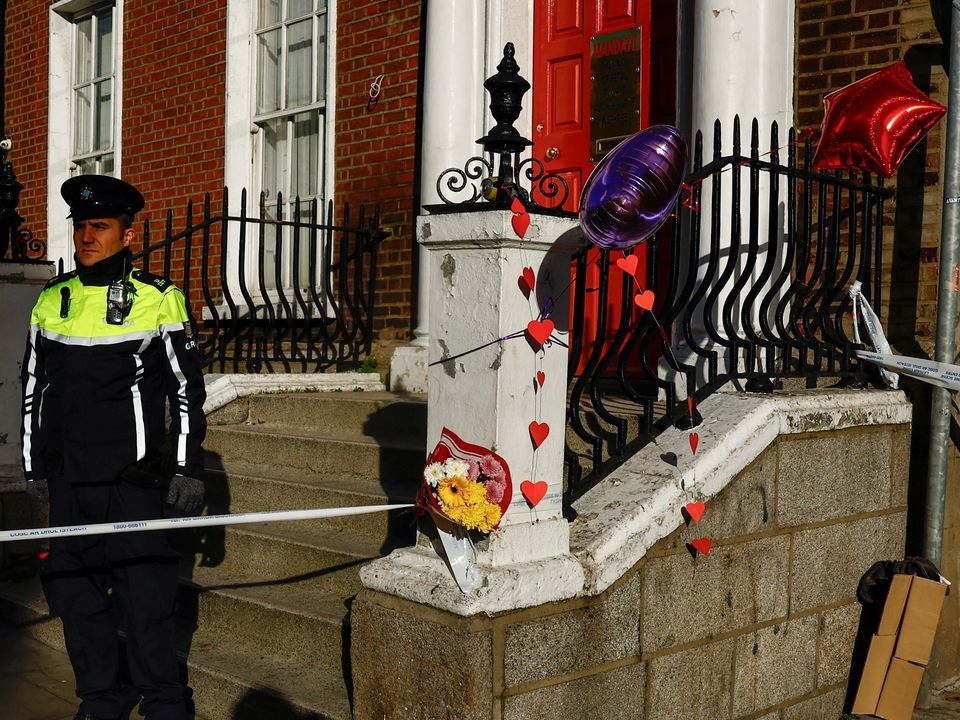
{"x":541,"y":377}
{"x":629,"y":264}
{"x":540,"y":330}
{"x":645,"y":299}
{"x":702,"y":545}
{"x":520,"y":224}
{"x":520,"y":220}
{"x":538,"y":433}
{"x":533,"y":492}
{"x":694,"y":442}
{"x":529,"y":279}
{"x":695,"y":510}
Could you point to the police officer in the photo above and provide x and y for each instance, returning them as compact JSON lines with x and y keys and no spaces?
{"x":107,"y":348}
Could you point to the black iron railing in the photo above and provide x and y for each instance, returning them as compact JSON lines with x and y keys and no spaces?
{"x":279,"y":287}
{"x":734,"y":304}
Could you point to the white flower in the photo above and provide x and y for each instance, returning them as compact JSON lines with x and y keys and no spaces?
{"x":453,"y":467}
{"x":433,"y":474}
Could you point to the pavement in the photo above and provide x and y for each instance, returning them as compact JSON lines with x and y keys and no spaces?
{"x":36,"y":683}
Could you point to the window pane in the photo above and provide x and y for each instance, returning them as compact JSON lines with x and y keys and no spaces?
{"x":87,"y":167}
{"x":106,"y":164}
{"x":322,"y":57}
{"x":83,"y":51}
{"x":303,"y":238}
{"x":305,"y":156}
{"x":268,"y":72}
{"x":297,"y":8}
{"x":81,"y":119}
{"x":105,"y":43}
{"x":269,"y":12}
{"x":299,"y":61}
{"x":269,"y":250}
{"x":103,"y":127}
{"x":274,"y":158}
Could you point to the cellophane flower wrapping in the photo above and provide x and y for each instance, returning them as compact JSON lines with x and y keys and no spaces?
{"x":465,"y":483}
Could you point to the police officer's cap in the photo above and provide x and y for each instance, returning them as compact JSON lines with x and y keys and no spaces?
{"x":100,"y":196}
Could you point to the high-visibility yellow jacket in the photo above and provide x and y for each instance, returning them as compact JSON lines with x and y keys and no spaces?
{"x":94,"y":394}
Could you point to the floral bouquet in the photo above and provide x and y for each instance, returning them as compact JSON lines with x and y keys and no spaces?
{"x":467,"y":484}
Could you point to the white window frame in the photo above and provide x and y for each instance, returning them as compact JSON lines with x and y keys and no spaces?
{"x":60,"y":113}
{"x":243,"y":136}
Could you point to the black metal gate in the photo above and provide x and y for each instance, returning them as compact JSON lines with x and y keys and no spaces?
{"x":735,"y":306}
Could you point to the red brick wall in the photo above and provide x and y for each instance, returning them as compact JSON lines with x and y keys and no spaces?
{"x":27,"y":67}
{"x":174,"y":86}
{"x":376,"y":148}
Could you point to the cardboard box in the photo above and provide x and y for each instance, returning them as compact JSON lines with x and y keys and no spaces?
{"x":900,"y":649}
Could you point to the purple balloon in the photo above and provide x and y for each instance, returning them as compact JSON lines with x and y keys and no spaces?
{"x":631,"y":192}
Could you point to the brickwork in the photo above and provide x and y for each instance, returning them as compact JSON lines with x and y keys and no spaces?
{"x":838,"y":42}
{"x":376,"y":144}
{"x":761,"y":628}
{"x":27,"y":68}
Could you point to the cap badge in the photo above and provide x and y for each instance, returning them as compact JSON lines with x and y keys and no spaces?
{"x":86,"y":193}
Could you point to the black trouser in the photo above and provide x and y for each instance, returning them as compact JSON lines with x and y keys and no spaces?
{"x":99,"y":584}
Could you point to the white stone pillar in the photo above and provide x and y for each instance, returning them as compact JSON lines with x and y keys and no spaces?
{"x":489,"y":397}
{"x":453,"y":102}
{"x":743,"y":65}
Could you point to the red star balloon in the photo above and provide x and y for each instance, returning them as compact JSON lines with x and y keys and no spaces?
{"x":872,"y":124}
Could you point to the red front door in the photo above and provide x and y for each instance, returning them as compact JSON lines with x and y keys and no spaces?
{"x":563,"y":31}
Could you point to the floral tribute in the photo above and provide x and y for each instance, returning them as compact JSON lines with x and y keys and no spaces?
{"x":467,"y":484}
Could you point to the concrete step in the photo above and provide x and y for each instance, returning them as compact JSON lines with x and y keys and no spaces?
{"x":260,"y":488}
{"x":235,"y":672}
{"x":372,"y":414}
{"x":332,"y":457}
{"x":276,"y":553}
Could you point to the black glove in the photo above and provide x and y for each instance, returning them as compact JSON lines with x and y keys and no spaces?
{"x":185,"y":494}
{"x":38,"y":491}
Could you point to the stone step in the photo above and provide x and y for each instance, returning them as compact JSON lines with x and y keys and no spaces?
{"x":261,"y":488}
{"x":332,"y":457}
{"x":275,"y":553}
{"x":234,"y":672}
{"x":375,"y":415}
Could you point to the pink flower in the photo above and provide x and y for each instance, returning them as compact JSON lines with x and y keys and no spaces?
{"x":491,"y":468}
{"x":495,"y":489}
{"x":473,"y":470}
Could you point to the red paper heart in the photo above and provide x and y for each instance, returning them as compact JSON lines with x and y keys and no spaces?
{"x":695,"y":510}
{"x":521,"y":221}
{"x":540,"y":330}
{"x":517,"y":205}
{"x":629,"y":264}
{"x":645,"y":299}
{"x":694,"y":442}
{"x":529,"y":279}
{"x":533,"y":492}
{"x":702,"y":545}
{"x":541,"y":376}
{"x":538,"y":433}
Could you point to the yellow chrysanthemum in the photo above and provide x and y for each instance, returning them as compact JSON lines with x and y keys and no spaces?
{"x":492,"y":516}
{"x":481,"y":516}
{"x":451,"y":491}
{"x":474,"y":493}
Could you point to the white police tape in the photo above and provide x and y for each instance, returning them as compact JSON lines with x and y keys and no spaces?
{"x":188,"y":522}
{"x":936,"y":373}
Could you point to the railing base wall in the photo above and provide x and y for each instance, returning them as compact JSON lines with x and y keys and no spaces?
{"x":803,"y":492}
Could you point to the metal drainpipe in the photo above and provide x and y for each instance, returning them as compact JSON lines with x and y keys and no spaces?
{"x":946,"y":306}
{"x":946,"y":319}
